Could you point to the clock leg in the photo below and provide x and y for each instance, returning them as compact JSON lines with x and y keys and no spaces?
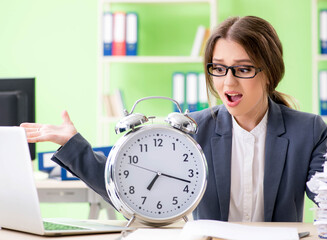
{"x":131,"y":221}
{"x":185,"y":218}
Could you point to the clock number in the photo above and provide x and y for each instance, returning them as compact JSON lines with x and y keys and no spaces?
{"x":174,"y":146}
{"x":144,"y":147}
{"x":185,"y":189}
{"x":131,"y":190}
{"x":175,"y":201}
{"x":159,"y":205}
{"x":191,"y":173}
{"x":185,"y":157}
{"x":157,"y":142}
{"x":126,"y":173}
{"x":133,"y":159}
{"x":144,"y":198}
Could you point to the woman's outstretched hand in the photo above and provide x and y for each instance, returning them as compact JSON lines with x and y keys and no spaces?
{"x":37,"y":132}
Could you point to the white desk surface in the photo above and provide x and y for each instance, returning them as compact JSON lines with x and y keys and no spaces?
{"x":57,"y":184}
{"x":13,"y":235}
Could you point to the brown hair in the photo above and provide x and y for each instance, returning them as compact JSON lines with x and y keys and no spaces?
{"x":261,"y":42}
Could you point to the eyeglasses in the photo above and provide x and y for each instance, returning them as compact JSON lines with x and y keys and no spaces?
{"x":241,"y":71}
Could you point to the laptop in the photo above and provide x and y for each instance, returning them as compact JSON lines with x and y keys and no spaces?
{"x":19,"y":203}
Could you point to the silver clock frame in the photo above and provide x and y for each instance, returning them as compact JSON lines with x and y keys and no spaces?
{"x":179,"y":122}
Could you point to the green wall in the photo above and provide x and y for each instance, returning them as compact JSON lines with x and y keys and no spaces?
{"x":56,"y":42}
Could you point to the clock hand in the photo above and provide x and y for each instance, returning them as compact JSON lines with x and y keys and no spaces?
{"x":153,"y":181}
{"x":143,"y":168}
{"x":163,"y":174}
{"x":181,"y":179}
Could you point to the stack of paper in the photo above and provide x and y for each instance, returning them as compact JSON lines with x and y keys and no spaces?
{"x":318,"y":185}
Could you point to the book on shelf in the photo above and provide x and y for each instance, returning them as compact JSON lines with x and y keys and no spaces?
{"x":204,"y":41}
{"x":114,"y":104}
{"x":197,"y":43}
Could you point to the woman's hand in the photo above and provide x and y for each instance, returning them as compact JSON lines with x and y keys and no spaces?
{"x":37,"y":132}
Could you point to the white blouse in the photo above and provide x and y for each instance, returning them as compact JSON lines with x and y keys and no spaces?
{"x":247,"y":172}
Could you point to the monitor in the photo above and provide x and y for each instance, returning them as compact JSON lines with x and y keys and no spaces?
{"x":17,"y":103}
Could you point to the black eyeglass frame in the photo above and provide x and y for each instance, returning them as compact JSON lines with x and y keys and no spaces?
{"x":257,"y":70}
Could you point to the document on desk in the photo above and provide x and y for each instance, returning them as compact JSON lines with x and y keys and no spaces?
{"x":206,"y":229}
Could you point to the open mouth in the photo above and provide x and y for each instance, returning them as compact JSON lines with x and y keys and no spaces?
{"x":233,"y":97}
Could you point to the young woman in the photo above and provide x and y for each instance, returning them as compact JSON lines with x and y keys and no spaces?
{"x":260,"y":152}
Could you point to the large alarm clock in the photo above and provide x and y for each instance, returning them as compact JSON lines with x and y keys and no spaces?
{"x":156,"y":173}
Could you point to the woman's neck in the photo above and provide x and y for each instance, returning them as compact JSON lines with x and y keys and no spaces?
{"x":250,"y":121}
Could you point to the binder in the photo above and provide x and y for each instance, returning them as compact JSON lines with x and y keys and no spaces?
{"x":119,"y":34}
{"x":203,"y":98}
{"x":179,"y":90}
{"x":45,"y":162}
{"x":323,"y":92}
{"x":323,"y":31}
{"x":131,"y":33}
{"x":192,"y":91}
{"x":196,"y":48}
{"x":107,"y":33}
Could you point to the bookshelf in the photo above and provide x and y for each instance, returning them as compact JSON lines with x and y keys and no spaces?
{"x":107,"y":63}
{"x":317,"y":58}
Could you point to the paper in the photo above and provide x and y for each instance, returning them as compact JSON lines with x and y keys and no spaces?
{"x":151,"y":234}
{"x":195,"y":230}
{"x":202,"y":229}
{"x":318,"y":185}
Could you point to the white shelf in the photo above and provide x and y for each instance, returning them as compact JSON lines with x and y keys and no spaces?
{"x":151,"y":59}
{"x":321,"y":57}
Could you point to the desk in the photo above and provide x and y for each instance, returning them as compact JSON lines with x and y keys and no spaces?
{"x":12,"y":235}
{"x":51,"y":190}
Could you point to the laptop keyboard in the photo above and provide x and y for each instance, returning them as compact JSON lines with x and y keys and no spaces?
{"x":49,"y":226}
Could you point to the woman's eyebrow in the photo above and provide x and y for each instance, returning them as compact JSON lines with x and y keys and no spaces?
{"x":236,"y":61}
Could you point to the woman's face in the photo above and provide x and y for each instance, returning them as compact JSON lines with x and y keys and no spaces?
{"x":245,"y":99}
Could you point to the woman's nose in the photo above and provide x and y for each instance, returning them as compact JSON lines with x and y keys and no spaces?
{"x":230,"y":79}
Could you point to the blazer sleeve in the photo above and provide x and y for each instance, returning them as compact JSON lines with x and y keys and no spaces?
{"x":318,"y":152}
{"x":78,"y":157}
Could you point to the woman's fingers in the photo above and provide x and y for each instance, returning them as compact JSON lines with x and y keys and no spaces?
{"x":27,"y":125}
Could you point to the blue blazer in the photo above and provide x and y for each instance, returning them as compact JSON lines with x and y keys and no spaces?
{"x":294,"y":149}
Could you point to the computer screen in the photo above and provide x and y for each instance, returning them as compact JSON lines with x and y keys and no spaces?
{"x":17,"y":103}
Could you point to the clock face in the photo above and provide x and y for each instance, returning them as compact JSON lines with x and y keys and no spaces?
{"x":159,"y":172}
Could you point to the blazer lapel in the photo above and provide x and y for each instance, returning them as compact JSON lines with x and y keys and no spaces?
{"x":221,"y":151}
{"x":275,"y":156}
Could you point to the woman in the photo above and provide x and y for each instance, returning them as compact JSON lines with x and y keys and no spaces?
{"x":260,"y":152}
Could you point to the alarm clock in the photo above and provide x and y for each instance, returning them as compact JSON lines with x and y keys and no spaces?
{"x":156,"y":173}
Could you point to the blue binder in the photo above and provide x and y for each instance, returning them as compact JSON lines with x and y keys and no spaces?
{"x":179,"y":90}
{"x":107,"y":33}
{"x":192,"y":91}
{"x":323,"y":92}
{"x":131,"y":33}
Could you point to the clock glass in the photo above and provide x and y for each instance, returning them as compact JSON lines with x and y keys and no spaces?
{"x":159,"y":172}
